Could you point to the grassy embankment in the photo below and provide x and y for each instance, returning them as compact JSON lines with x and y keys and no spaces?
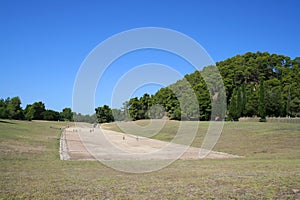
{"x":31,"y":169}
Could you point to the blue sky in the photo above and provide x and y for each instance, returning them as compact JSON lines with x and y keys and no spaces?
{"x":43,"y":43}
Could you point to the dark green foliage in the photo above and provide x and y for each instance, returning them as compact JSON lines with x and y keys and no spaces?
{"x":3,"y":109}
{"x":35,"y":111}
{"x":234,"y":106}
{"x":135,"y":109}
{"x":66,"y":114}
{"x":237,"y":104}
{"x":262,"y":101}
{"x":51,"y":115}
{"x":138,"y":107}
{"x":252,"y":102}
{"x":29,"y":112}
{"x":243,"y":96}
{"x":14,"y":109}
{"x":279,"y":74}
{"x":273,"y":97}
{"x":168,"y":100}
{"x":104,"y":114}
{"x":10,"y":108}
{"x":257,"y":84}
{"x":295,"y":107}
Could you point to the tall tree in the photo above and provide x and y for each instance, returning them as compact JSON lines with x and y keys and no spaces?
{"x":243,"y":100}
{"x":35,"y":111}
{"x":66,"y":114}
{"x":3,"y":109}
{"x":135,"y":109}
{"x":273,"y":98}
{"x":234,"y":106}
{"x":29,"y":112}
{"x":251,"y":105}
{"x":104,"y":114}
{"x":262,"y":103}
{"x":146,"y":104}
{"x":14,"y":109}
{"x":295,"y":107}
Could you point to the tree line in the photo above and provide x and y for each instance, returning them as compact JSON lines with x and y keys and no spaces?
{"x":262,"y":84}
{"x":10,"y":108}
{"x":256,"y":84}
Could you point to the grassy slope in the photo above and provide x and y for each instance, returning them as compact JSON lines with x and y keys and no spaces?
{"x":252,"y":139}
{"x":30,"y":167}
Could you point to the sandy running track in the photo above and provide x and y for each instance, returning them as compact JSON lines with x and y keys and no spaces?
{"x":86,"y":143}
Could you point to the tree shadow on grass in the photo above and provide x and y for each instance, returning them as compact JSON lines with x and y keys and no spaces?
{"x":6,"y":122}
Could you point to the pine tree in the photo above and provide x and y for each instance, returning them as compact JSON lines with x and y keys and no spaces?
{"x":261,"y":105}
{"x":244,"y":100}
{"x":234,"y":106}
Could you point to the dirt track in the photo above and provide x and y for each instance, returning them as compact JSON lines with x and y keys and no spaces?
{"x":86,"y":143}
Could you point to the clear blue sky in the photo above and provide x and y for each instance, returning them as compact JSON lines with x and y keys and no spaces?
{"x":43,"y":43}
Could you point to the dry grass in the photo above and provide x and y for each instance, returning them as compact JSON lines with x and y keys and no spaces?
{"x":31,"y":169}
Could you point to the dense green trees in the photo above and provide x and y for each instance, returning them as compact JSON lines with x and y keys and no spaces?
{"x":167,"y":100}
{"x":262,"y":101}
{"x":35,"y":111}
{"x":51,"y":115}
{"x":10,"y":108}
{"x":234,"y":108}
{"x":138,"y":107}
{"x":265,"y":83}
{"x":257,"y":84}
{"x":14,"y":109}
{"x":104,"y":114}
{"x":67,"y":114}
{"x":3,"y":109}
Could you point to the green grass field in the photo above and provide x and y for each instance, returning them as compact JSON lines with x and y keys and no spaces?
{"x":31,"y":168}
